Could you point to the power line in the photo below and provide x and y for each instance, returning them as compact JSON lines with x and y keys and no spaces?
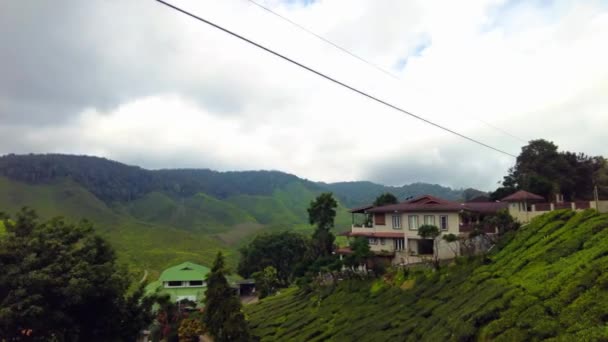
{"x":331,"y":79}
{"x":375,"y":66}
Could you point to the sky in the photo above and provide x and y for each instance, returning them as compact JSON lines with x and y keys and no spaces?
{"x":140,"y":83}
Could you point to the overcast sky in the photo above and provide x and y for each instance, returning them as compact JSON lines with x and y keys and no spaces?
{"x":137,"y":82}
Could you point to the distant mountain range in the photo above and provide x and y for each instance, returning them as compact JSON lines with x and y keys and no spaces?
{"x":159,"y":217}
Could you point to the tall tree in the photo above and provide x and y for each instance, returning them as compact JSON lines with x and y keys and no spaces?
{"x":283,"y":251}
{"x":322,"y":212}
{"x":360,"y":252}
{"x":385,"y":199}
{"x":61,"y":281}
{"x":540,"y":168}
{"x":266,"y":281}
{"x":223,"y":316}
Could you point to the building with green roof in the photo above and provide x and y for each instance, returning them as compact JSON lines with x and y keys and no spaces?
{"x":183,"y":281}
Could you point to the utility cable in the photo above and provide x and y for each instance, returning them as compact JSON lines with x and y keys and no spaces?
{"x":352,"y":54}
{"x":375,"y":66}
{"x":332,"y":79}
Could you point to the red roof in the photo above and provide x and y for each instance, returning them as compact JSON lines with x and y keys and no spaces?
{"x":421,"y":203}
{"x":485,"y":207}
{"x":344,"y":250}
{"x":376,"y":234}
{"x":523,"y":195}
{"x":361,"y":209}
{"x":428,"y":203}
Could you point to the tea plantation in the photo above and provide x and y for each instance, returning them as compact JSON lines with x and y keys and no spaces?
{"x":548,"y":281}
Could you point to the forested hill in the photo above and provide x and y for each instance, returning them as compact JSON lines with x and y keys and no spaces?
{"x":547,"y":281}
{"x":156,"y":218}
{"x":359,"y":193}
{"x":113,"y":181}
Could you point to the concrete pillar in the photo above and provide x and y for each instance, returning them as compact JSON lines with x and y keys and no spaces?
{"x":552,"y":206}
{"x":573,"y":205}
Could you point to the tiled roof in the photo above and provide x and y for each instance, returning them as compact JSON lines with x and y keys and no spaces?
{"x":428,"y":203}
{"x":485,"y":207}
{"x":523,"y":195}
{"x":361,"y":209}
{"x":421,"y":203}
{"x":344,"y":250}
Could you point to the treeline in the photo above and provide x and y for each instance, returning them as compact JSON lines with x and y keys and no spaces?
{"x":541,"y":169}
{"x":354,"y":194}
{"x":113,"y":181}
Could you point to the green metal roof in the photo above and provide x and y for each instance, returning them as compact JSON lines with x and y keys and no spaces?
{"x":185,"y":271}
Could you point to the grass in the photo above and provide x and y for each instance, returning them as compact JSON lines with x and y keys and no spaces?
{"x":547,"y":281}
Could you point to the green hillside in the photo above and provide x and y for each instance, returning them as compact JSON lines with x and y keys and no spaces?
{"x":157,"y":230}
{"x":547,"y":281}
{"x":139,"y":244}
{"x":354,"y":194}
{"x":156,"y":218}
{"x":201,"y":212}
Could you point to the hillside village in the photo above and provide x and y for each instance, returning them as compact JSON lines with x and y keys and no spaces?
{"x":303,"y":170}
{"x":392,"y":230}
{"x":390,"y":242}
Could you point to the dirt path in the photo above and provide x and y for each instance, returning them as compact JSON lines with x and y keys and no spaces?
{"x":144,"y":277}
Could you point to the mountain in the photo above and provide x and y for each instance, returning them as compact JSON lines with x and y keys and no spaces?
{"x":158,"y":217}
{"x":354,"y":194}
{"x":549,"y":280}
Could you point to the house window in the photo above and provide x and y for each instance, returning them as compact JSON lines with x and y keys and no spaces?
{"x":429,"y":219}
{"x":425,"y":247}
{"x":443,"y":222}
{"x":195,"y":283}
{"x":175,"y":284}
{"x":399,"y":244}
{"x":412,"y":221}
{"x":382,"y":242}
{"x":379,"y":219}
{"x":372,"y":241}
{"x":396,"y":221}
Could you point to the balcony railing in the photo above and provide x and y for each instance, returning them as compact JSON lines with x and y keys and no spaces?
{"x":469,"y":227}
{"x":362,"y":225}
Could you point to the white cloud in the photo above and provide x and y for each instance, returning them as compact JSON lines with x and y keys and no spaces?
{"x":173,"y":92}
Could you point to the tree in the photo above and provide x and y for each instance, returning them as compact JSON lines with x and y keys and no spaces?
{"x":451,"y":240}
{"x":322,"y":212}
{"x":360,"y":252}
{"x":190,"y":329}
{"x":385,"y":199}
{"x":540,"y":168}
{"x":431,"y":232}
{"x":266,"y":281}
{"x":283,"y":251}
{"x":223,"y":316}
{"x":61,"y":281}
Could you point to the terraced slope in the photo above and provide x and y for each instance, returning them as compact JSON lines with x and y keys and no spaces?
{"x":547,"y":281}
